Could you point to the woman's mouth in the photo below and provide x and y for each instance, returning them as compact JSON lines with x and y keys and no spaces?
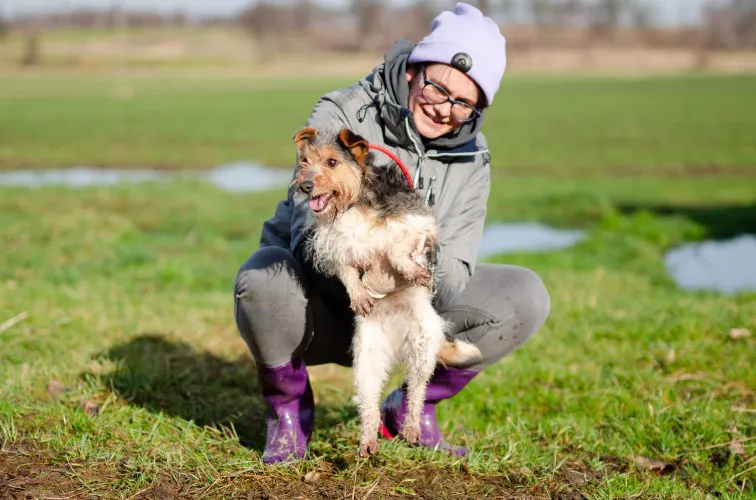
{"x":434,"y":122}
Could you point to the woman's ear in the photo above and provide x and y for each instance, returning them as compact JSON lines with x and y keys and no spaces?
{"x":411,"y":72}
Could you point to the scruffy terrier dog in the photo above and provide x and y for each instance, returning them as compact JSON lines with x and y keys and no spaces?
{"x":372,"y":231}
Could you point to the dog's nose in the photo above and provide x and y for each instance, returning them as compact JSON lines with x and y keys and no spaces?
{"x":306,"y":187}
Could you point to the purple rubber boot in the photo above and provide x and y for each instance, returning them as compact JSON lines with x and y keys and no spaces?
{"x":445,"y":383}
{"x":291,"y":410}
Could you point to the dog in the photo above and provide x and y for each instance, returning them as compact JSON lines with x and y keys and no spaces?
{"x":371,"y":230}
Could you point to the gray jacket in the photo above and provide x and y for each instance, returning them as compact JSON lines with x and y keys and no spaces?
{"x":455,"y":170}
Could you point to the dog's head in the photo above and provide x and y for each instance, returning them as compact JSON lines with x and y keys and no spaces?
{"x":330,"y":170}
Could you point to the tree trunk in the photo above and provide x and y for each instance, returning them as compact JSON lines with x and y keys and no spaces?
{"x":31,"y":51}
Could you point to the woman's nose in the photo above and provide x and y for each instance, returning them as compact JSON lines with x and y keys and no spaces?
{"x":444,"y":109}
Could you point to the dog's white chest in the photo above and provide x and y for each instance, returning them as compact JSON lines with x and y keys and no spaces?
{"x":356,"y":232}
{"x":352,"y":238}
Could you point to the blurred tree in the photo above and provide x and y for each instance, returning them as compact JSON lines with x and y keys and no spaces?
{"x":115,"y":17}
{"x":642,"y":15}
{"x":607,"y":13}
{"x":508,"y":8}
{"x":304,"y":12}
{"x":540,"y":10}
{"x":564,"y":13}
{"x":423,"y":12}
{"x":264,"y":21}
{"x":572,"y":11}
{"x":485,"y":6}
{"x":30,"y":56}
{"x":4,"y":28}
{"x":32,"y":30}
{"x":179,"y":18}
{"x":261,"y":19}
{"x":726,"y":26}
{"x":743,"y":14}
{"x":369,"y":14}
{"x":605,"y":16}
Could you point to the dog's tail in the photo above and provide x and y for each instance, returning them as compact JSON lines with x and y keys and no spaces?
{"x":458,"y":353}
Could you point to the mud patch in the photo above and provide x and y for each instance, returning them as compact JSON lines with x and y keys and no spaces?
{"x":26,"y":472}
{"x":377,"y":483}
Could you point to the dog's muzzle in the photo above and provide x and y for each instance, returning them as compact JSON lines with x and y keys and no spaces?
{"x":306,"y":187}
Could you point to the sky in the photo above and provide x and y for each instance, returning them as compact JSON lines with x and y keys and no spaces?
{"x":668,"y":12}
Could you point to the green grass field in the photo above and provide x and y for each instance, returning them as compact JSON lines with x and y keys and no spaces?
{"x":555,"y":126}
{"x":121,"y":371}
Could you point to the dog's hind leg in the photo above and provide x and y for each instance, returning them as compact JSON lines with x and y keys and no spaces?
{"x":420,"y":358}
{"x":373,"y":359}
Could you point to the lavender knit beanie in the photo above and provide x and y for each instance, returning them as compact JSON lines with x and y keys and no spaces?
{"x":469,"y":41}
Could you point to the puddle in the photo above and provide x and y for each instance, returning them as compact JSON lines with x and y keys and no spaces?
{"x":727,"y":266}
{"x":234,"y":177}
{"x":245,"y":177}
{"x":77,"y":177}
{"x":525,"y":237}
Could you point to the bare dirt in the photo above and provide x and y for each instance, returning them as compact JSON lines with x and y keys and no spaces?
{"x":30,"y":473}
{"x":24,"y":473}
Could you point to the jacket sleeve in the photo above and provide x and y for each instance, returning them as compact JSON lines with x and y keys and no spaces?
{"x":327,"y":115}
{"x":461,"y":232}
{"x":285,"y":229}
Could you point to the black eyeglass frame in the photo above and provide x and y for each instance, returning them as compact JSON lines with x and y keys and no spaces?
{"x":475,"y":113}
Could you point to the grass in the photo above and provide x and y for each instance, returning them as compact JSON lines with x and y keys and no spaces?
{"x":123,"y":374}
{"x":558,"y":126}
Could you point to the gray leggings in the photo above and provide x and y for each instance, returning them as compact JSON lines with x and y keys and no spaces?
{"x":283,"y":310}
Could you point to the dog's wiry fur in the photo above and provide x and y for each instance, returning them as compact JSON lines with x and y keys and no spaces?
{"x":372,"y":231}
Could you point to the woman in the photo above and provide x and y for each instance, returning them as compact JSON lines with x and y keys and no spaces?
{"x":426,"y":104}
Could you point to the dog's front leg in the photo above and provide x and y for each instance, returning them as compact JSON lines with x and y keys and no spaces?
{"x":402,"y":257}
{"x":360,"y":300}
{"x":373,"y":360}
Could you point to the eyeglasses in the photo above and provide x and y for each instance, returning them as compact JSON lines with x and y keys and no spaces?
{"x":435,"y":94}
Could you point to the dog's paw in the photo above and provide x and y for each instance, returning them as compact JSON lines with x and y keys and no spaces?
{"x":362,"y":304}
{"x":411,"y":435}
{"x":421,"y":277}
{"x":368,"y":448}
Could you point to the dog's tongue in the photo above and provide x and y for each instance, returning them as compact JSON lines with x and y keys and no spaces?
{"x":319,"y":203}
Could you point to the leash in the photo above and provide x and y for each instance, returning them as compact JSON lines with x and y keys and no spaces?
{"x":433,"y":253}
{"x":396,"y":160}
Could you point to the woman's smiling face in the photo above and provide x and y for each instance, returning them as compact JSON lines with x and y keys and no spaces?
{"x":435,"y":120}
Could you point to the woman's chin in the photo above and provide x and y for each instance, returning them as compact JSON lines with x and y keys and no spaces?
{"x":431,"y":130}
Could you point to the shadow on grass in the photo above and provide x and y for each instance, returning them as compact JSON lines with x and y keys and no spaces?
{"x":164,"y":375}
{"x":720,"y":222}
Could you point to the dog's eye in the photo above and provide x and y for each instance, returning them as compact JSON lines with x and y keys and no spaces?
{"x":331,"y":162}
{"x":304,"y":161}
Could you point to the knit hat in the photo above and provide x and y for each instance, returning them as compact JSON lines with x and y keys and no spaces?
{"x":468,"y":41}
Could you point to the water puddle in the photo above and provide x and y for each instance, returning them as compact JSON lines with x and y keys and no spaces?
{"x":525,"y":237}
{"x":77,"y":177}
{"x":727,"y":266}
{"x":234,"y":177}
{"x":244,"y":177}
{"x":723,"y":266}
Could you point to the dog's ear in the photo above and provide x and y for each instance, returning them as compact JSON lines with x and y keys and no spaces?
{"x":354,"y":143}
{"x":305,"y":136}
